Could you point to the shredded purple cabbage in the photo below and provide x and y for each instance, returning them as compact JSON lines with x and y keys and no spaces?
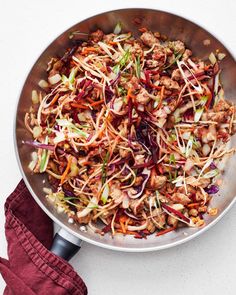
{"x":80,"y":95}
{"x":115,"y":81}
{"x":68,"y":193}
{"x":108,"y":94}
{"x":213,"y":166}
{"x":39,"y":145}
{"x":213,"y":189}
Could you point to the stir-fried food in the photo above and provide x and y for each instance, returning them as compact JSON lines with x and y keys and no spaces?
{"x":131,"y":133}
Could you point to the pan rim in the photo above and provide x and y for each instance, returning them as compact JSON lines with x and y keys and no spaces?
{"x":50,"y":214}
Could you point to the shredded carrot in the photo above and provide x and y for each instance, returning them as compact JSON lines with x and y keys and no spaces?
{"x":193,"y":205}
{"x":86,"y":163}
{"x":165,"y":231}
{"x":112,"y":42}
{"x":90,"y":99}
{"x":128,"y":232}
{"x":160,"y":168}
{"x":122,"y":227}
{"x":210,"y":97}
{"x":161,"y":97}
{"x":103,"y":69}
{"x":80,"y":106}
{"x":130,"y":94}
{"x":96,"y":103}
{"x":143,"y":30}
{"x":55,"y":98}
{"x":65,"y":173}
{"x":123,"y":218}
{"x":155,"y":86}
{"x":88,"y":50}
{"x":114,"y":145}
{"x":112,"y":134}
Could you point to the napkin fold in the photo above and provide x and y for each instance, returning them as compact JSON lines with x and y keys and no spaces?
{"x":32,"y":268}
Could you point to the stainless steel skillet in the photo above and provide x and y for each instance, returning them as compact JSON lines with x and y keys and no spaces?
{"x":174,"y":27}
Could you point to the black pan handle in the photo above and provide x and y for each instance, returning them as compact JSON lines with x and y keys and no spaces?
{"x":65,"y":244}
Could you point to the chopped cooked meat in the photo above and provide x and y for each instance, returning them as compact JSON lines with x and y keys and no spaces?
{"x":180,"y":198}
{"x":176,"y":75}
{"x":177,"y":46}
{"x":172,"y":221}
{"x":136,"y":48}
{"x":84,"y":220}
{"x":160,"y":219}
{"x":221,"y":105}
{"x":149,"y":39}
{"x":133,"y":83}
{"x":108,"y":37}
{"x":96,"y":36}
{"x":159,"y":52}
{"x":136,"y":206}
{"x":142,"y":97}
{"x":169,"y":83}
{"x":187,"y":53}
{"x":56,"y":68}
{"x":124,"y":153}
{"x":152,"y":63}
{"x":151,"y":226}
{"x":157,"y":181}
{"x":219,"y":117}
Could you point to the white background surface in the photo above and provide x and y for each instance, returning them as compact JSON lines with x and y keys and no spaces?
{"x":205,"y":265}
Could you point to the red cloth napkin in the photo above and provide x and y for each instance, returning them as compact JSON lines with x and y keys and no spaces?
{"x":32,"y":268}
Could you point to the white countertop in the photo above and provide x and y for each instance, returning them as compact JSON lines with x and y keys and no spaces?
{"x":205,"y":265}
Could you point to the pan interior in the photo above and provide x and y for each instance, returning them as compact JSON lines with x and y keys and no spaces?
{"x":176,"y":28}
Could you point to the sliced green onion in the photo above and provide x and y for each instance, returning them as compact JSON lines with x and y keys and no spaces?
{"x":70,"y":198}
{"x":172,"y":137}
{"x":211,"y":173}
{"x":124,"y":58}
{"x":43,"y":84}
{"x":172,"y":159}
{"x":117,"y":28}
{"x":116,"y":69}
{"x":122,"y":91}
{"x":137,"y":66}
{"x":157,"y":197}
{"x":32,"y":164}
{"x":189,"y":146}
{"x":37,"y":130}
{"x":70,"y":80}
{"x":212,"y":58}
{"x":104,"y":166}
{"x":54,"y":79}
{"x":221,"y":56}
{"x":198,"y":114}
{"x":175,"y":174}
{"x":122,"y":37}
{"x":93,"y":206}
{"x":68,"y":124}
{"x":105,"y":194}
{"x":74,"y":170}
{"x":44,"y":158}
{"x":72,"y":75}
{"x":177,"y":115}
{"x":122,"y":62}
{"x":203,"y":100}
{"x":88,"y":209}
{"x":156,"y":103}
{"x":35,"y":97}
{"x":174,"y":61}
{"x":64,"y":79}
